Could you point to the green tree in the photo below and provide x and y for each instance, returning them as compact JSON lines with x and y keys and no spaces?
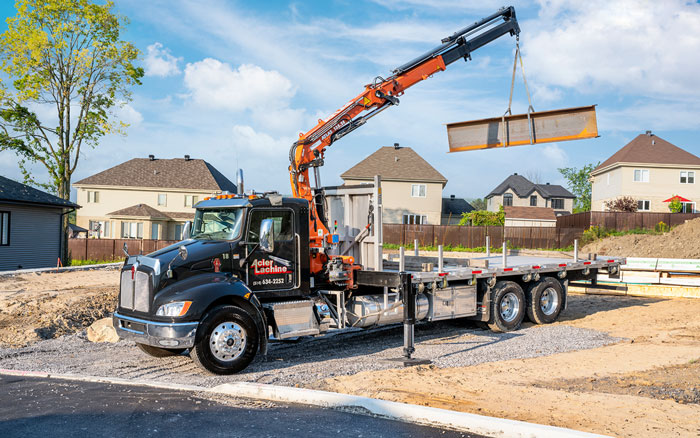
{"x":65,"y":58}
{"x":579,"y":183}
{"x":484,"y":218}
{"x":478,"y":203}
{"x":675,"y":205}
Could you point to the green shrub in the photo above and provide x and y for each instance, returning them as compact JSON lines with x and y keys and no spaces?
{"x":480,"y":218}
{"x":661,"y":227}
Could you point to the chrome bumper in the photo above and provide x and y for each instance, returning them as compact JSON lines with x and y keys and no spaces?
{"x":157,"y":334}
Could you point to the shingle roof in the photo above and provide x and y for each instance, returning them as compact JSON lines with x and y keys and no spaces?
{"x":537,"y":213}
{"x":17,"y":192}
{"x":455,"y":206}
{"x":524,"y":187}
{"x":145,"y":210}
{"x":397,"y":164}
{"x":652,"y":149}
{"x":176,"y":173}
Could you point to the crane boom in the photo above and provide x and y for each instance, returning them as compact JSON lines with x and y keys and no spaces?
{"x":308,"y":151}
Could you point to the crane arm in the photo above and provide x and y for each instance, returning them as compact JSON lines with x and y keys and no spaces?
{"x":307,"y":152}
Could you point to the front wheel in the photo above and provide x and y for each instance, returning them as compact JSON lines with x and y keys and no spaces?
{"x":507,"y":307}
{"x":226,"y":341}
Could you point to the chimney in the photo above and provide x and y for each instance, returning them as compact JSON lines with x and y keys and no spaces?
{"x":152,"y":157}
{"x":452,"y":196}
{"x":649,"y":134}
{"x":547,"y":183}
{"x":396,"y":146}
{"x":515,"y":173}
{"x":187,"y":158}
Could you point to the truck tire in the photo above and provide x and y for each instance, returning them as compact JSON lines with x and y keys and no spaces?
{"x":507,"y":307}
{"x":545,"y":301}
{"x":226,"y":341}
{"x":160,"y":352}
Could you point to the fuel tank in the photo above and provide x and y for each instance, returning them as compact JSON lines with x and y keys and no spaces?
{"x":368,"y":310}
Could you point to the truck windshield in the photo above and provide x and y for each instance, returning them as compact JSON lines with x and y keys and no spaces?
{"x":220,"y":224}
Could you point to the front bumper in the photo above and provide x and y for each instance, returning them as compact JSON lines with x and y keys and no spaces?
{"x":157,"y":334}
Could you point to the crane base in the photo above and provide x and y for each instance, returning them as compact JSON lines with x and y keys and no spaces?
{"x":410,"y":361}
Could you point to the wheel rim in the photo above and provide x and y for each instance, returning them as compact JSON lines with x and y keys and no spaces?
{"x":549,"y":301}
{"x":227,"y":341}
{"x":510,"y":306}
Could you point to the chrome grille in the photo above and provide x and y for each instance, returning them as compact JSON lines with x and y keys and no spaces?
{"x":141,"y":292}
{"x":126,"y":293}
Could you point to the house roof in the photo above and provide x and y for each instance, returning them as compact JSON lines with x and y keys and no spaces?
{"x":175,"y":173}
{"x":524,"y":187}
{"x":397,"y":164}
{"x":455,"y":206}
{"x":15,"y":192}
{"x":76,"y":229}
{"x":145,"y":210}
{"x":652,"y":149}
{"x":536,"y":213}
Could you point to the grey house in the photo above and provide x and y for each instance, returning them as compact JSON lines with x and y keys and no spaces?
{"x":518,"y":191}
{"x":30,"y":226}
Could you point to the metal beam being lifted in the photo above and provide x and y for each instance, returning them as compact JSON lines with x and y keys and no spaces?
{"x":521,"y":129}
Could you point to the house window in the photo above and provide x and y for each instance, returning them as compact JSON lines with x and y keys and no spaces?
{"x":533,"y":201}
{"x":507,"y":199}
{"x":641,"y":175}
{"x":93,"y":197}
{"x":687,"y":177}
{"x":162,"y":199}
{"x":643,"y":205}
{"x":415,"y":219}
{"x":418,"y":190}
{"x":4,"y":228}
{"x":557,"y":203}
{"x":154,"y":231}
{"x":132,"y":230}
{"x":178,"y":231}
{"x":688,"y":207}
{"x":191,"y":200}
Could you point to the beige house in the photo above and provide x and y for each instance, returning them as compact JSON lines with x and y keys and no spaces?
{"x":518,"y":191}
{"x":146,"y":198}
{"x":411,"y":188}
{"x":650,"y":170}
{"x":529,"y":217}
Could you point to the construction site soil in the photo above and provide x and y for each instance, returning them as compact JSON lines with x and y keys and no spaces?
{"x":682,"y":242}
{"x":635,"y":369}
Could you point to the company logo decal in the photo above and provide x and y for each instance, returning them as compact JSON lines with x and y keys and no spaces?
{"x":267,"y":267}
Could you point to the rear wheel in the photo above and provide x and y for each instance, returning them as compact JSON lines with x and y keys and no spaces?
{"x":545,"y":301}
{"x":160,"y":352}
{"x":226,"y":342}
{"x":507,"y":307}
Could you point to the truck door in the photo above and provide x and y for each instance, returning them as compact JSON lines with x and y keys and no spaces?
{"x":276,"y":270}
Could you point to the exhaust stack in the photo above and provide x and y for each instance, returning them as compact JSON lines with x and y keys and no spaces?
{"x":239,"y":182}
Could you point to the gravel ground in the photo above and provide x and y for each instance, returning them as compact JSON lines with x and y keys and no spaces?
{"x":447,"y":344}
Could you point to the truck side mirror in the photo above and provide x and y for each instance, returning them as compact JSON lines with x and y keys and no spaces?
{"x":186,"y":230}
{"x":267,"y":235}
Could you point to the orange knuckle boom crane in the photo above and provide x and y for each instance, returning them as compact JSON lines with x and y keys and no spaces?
{"x":308,"y":151}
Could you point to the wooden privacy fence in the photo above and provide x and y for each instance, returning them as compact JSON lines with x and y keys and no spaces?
{"x":622,"y":221}
{"x":111,"y":249}
{"x":473,"y":237}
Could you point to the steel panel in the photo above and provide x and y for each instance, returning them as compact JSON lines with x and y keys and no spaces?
{"x":547,"y":126}
{"x":126,"y":291}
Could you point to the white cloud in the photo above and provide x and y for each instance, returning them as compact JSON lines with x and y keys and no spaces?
{"x":248,"y":141}
{"x":128,"y":114}
{"x":215,"y":84}
{"x":553,"y":155}
{"x":159,"y":61}
{"x":627,"y":46}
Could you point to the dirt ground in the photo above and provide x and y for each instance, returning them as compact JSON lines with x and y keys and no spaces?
{"x":44,"y":306}
{"x":682,"y":242}
{"x":647,"y":385}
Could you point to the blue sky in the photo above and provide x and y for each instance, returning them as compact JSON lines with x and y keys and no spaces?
{"x":234,"y":82}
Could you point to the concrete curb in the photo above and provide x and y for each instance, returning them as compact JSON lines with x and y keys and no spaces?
{"x":478,"y":424}
{"x":59,"y":270}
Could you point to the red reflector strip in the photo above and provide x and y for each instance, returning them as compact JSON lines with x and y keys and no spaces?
{"x":507,"y":269}
{"x":443,"y":274}
{"x":476,"y":272}
{"x":561,"y":265}
{"x":586,"y":263}
{"x":611,"y":261}
{"x":535,"y":267}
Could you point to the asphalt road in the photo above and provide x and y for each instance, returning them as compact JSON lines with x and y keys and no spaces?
{"x":40,"y":407}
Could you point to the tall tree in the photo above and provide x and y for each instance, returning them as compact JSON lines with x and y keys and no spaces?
{"x":66,"y":61}
{"x":579,"y":183}
{"x":65,"y":58}
{"x":478,"y":203}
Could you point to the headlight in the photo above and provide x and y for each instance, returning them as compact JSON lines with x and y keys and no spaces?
{"x":178,"y":308}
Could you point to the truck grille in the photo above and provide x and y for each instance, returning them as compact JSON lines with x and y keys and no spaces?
{"x":135,"y":294}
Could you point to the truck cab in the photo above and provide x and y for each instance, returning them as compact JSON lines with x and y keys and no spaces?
{"x":207,"y":292}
